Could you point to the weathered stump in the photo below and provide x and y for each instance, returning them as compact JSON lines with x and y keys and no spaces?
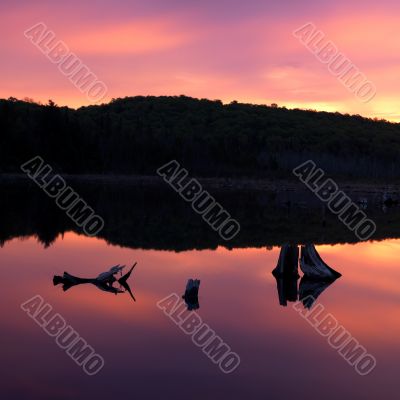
{"x":288,"y":261}
{"x":286,"y":273}
{"x":314,"y":267}
{"x":191,"y":295}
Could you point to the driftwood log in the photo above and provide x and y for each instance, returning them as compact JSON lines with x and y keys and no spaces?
{"x":104,"y":281}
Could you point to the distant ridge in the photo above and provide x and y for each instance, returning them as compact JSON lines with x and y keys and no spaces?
{"x":135,"y":135}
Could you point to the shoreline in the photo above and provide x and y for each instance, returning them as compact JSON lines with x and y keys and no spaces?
{"x":213,"y":183}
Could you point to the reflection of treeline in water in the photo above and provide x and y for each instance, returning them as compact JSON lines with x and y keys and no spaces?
{"x":137,"y":135}
{"x":155,"y":217}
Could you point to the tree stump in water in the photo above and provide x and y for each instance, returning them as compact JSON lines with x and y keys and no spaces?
{"x":286,"y":273}
{"x":191,"y":295}
{"x":314,"y":267}
{"x":288,"y":261}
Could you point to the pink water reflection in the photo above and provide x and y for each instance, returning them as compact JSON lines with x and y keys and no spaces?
{"x":146,"y":353}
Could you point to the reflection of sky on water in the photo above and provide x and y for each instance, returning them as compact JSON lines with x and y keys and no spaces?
{"x":147,"y":354}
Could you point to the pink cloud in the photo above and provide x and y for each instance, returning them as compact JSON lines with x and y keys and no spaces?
{"x":247,"y":56}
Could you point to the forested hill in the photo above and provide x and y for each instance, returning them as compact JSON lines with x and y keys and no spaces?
{"x":136,"y":135}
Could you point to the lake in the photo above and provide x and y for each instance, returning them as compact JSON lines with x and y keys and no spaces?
{"x":146,"y":355}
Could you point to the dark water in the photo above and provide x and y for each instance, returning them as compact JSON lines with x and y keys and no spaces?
{"x":146,"y":355}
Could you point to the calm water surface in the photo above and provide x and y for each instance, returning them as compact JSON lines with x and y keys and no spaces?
{"x":148,"y":357}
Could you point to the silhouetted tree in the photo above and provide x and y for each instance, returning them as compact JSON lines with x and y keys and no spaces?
{"x":135,"y":135}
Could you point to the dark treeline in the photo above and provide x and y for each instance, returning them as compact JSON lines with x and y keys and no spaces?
{"x":136,"y":135}
{"x":155,"y":217}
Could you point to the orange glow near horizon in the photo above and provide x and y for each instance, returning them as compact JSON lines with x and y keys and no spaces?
{"x":238,"y":299}
{"x":367,"y":288}
{"x":226,"y":51}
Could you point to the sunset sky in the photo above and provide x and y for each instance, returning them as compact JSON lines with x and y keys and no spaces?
{"x":217,"y":49}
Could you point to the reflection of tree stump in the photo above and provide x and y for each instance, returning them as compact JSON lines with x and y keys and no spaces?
{"x":313,"y":267}
{"x":310,"y":289}
{"x":287,"y":289}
